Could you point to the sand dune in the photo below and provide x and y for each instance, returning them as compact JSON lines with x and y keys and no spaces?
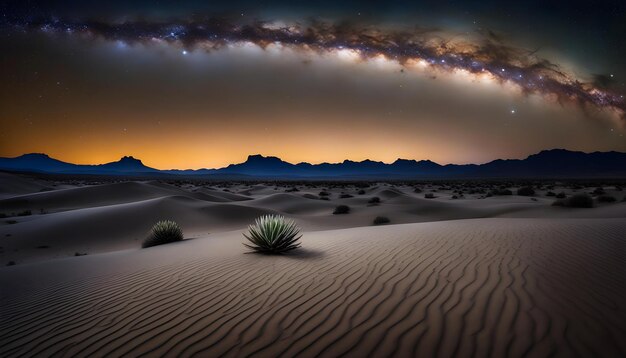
{"x":480,"y":287}
{"x":87,"y":196}
{"x":113,"y":216}
{"x":107,"y":194}
{"x":223,"y":196}
{"x":293,"y":204}
{"x":15,"y":185}
{"x":118,"y":226}
{"x":466,"y":276}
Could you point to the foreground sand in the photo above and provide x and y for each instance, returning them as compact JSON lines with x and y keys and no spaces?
{"x":480,"y":287}
{"x":475,"y":275}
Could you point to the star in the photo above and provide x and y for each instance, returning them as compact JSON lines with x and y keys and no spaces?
{"x":421,"y":47}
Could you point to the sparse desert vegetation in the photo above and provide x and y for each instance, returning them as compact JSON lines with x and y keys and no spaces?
{"x":576,"y":201}
{"x":498,"y":192}
{"x":606,"y":198}
{"x":341,"y":209}
{"x":526,"y":191}
{"x":163,"y":232}
{"x":273,"y":234}
{"x":380,"y":220}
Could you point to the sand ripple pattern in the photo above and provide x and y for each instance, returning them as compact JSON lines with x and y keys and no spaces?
{"x":484,"y":288}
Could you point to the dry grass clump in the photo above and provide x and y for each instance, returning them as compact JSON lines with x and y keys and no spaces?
{"x":163,"y":232}
{"x":380,"y":220}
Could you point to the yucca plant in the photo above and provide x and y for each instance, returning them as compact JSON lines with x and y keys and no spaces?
{"x":163,"y":232}
{"x":273,"y":234}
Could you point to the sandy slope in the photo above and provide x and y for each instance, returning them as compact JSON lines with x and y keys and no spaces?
{"x":114,"y":216}
{"x":476,"y":276}
{"x":13,"y":184}
{"x":485,"y":287}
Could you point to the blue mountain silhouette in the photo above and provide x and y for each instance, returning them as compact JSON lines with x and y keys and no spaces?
{"x":547,"y":163}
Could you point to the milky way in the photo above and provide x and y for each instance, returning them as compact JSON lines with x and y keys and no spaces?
{"x":481,"y":55}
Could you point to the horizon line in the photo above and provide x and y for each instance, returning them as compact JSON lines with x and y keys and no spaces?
{"x":312,"y":163}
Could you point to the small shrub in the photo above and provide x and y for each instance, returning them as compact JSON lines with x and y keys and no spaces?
{"x":291,"y":190}
{"x":163,"y":232}
{"x":606,"y":199}
{"x":324,"y":193}
{"x":341,"y":209}
{"x":3,"y":215}
{"x":498,"y":192}
{"x":25,"y":213}
{"x":273,"y":234}
{"x":374,"y":200}
{"x":561,"y":195}
{"x":11,"y":263}
{"x":455,"y":196}
{"x":380,"y":220}
{"x":417,"y":190}
{"x":550,"y":193}
{"x":429,"y":196}
{"x":361,"y":192}
{"x":11,"y":222}
{"x":525,"y":191}
{"x":598,"y":191}
{"x":345,"y":196}
{"x":324,"y":198}
{"x":576,"y":201}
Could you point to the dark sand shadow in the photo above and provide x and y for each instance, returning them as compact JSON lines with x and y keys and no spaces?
{"x":299,"y":253}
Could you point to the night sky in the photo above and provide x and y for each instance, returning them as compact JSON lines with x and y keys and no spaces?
{"x":203,"y":84}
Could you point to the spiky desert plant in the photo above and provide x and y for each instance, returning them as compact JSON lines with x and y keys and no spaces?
{"x":163,"y":232}
{"x":273,"y":234}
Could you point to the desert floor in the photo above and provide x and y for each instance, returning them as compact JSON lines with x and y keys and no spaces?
{"x":474,"y":275}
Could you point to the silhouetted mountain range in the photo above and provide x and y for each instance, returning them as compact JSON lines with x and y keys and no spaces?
{"x":42,"y":163}
{"x":547,"y":163}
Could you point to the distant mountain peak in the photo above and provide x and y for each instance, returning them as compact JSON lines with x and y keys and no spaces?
{"x":258,"y":159}
{"x":130,"y":159}
{"x":255,"y":157}
{"x":262,"y":158}
{"x":35,"y":155}
{"x":400,"y":160}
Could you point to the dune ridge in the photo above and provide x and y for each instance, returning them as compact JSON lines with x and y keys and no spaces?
{"x":484,"y":287}
{"x":77,"y":218}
